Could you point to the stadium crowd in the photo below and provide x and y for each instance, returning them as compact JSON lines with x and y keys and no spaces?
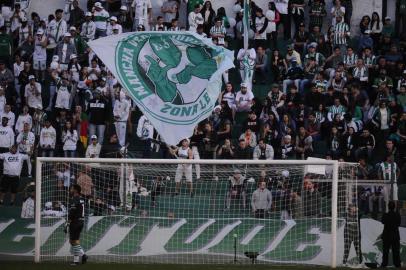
{"x":334,"y":93}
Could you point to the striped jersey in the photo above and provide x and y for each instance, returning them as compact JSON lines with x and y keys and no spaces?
{"x":340,"y":109}
{"x":350,"y":60}
{"x":369,"y":60}
{"x":360,"y":73}
{"x":215,"y":30}
{"x":389,"y":171}
{"x":341,"y":31}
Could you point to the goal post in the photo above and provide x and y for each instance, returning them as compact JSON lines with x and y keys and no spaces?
{"x":137,"y":212}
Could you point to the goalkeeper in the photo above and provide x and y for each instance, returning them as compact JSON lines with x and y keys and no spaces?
{"x":75,"y":223}
{"x":352,"y":234}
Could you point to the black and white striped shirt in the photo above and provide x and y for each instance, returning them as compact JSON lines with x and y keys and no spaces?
{"x":360,"y":73}
{"x":341,"y":31}
{"x":369,"y":60}
{"x":350,"y":60}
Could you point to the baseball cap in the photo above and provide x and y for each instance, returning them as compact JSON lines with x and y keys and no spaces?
{"x":243,"y":85}
{"x":94,"y":137}
{"x":113,"y":18}
{"x":289,"y":47}
{"x":48,"y":205}
{"x":40,"y":32}
{"x":54,"y":65}
{"x":367,"y":32}
{"x":285,"y":173}
{"x":72,"y":28}
{"x":67,"y":34}
{"x":275,"y":85}
{"x":387,"y":18}
{"x":88,"y":14}
{"x":31,"y":77}
{"x":72,"y":56}
{"x":98,"y":5}
{"x":237,"y":171}
{"x":123,"y":8}
{"x":313,"y":45}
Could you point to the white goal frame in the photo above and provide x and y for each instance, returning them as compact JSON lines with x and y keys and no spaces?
{"x":320,"y":162}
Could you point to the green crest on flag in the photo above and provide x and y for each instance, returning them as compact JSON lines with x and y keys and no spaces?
{"x":168,"y":75}
{"x":174,"y":78}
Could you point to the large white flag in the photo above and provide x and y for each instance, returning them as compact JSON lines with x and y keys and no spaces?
{"x":173,"y":77}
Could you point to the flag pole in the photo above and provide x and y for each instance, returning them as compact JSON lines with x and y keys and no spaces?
{"x":248,"y":69}
{"x":246,"y":22}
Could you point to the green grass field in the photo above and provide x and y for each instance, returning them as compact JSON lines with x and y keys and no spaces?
{"x":49,"y":266}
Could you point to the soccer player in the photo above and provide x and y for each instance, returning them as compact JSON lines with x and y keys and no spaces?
{"x":183,"y":152}
{"x":237,"y":189}
{"x":13,"y":163}
{"x":75,"y":223}
{"x":352,"y":234}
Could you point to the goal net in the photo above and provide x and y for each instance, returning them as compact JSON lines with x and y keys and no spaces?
{"x":199,"y":211}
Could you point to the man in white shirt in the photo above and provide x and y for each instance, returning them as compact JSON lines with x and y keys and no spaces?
{"x":113,"y":25}
{"x":13,"y":163}
{"x":93,"y":149}
{"x":195,"y":18}
{"x":26,"y":141}
{"x":244,"y":99}
{"x":282,"y":7}
{"x":57,"y":28}
{"x":121,"y":112}
{"x":169,"y":9}
{"x":88,"y":28}
{"x":47,"y":139}
{"x":100,"y":19}
{"x":6,"y":136}
{"x":247,"y":60}
{"x":9,"y":115}
{"x":145,"y":132}
{"x":23,"y":118}
{"x":33,"y":93}
{"x":143,"y":13}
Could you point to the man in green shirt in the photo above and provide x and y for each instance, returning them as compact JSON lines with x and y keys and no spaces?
{"x":78,"y":41}
{"x":6,"y":45}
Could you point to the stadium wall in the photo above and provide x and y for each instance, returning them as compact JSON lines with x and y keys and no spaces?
{"x":160,"y":239}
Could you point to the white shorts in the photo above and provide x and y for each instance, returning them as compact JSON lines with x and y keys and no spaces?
{"x":40,"y":65}
{"x":386,"y":192}
{"x":183,"y":170}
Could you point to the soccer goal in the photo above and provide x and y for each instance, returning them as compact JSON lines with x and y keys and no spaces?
{"x":197,"y":211}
